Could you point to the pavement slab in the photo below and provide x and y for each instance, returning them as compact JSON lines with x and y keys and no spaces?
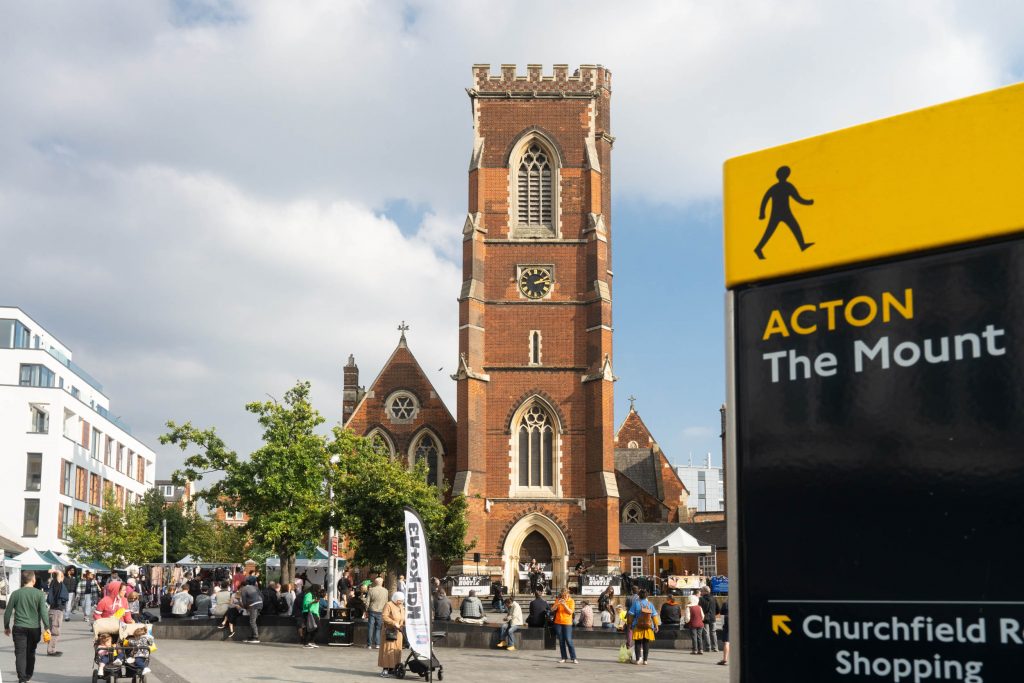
{"x":216,"y":661}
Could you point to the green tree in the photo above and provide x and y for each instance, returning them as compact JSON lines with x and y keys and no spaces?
{"x":179,"y":524}
{"x":281,"y":486}
{"x":211,"y":540}
{"x":371,"y":491}
{"x":116,"y":537}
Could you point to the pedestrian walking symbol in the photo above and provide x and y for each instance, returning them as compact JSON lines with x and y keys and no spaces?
{"x":779,"y":194}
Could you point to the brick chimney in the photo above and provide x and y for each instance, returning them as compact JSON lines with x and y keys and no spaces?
{"x":350,"y":395}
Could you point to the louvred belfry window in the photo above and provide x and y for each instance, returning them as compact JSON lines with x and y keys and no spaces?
{"x":534,"y":190}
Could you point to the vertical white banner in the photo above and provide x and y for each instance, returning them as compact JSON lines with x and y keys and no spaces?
{"x":417,"y":583}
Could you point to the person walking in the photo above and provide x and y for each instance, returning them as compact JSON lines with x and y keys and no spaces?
{"x":393,"y":620}
{"x":252,"y":601}
{"x":695,"y":622}
{"x":563,"y":609}
{"x":57,"y":599}
{"x":710,"y":607}
{"x":88,"y":593}
{"x":31,"y":620}
{"x":724,"y":638}
{"x":643,"y":619}
{"x":311,"y":610}
{"x":376,"y":599}
{"x":513,"y":622}
{"x":71,"y":584}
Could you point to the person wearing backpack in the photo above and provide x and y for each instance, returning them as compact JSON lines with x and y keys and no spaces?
{"x":643,"y":618}
{"x":695,"y":622}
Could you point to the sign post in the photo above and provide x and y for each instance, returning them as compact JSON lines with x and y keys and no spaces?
{"x":875,"y":437}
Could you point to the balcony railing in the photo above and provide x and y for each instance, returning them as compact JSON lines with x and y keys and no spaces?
{"x":69,"y":364}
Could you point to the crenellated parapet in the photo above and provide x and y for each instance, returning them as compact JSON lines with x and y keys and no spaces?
{"x":586,"y":81}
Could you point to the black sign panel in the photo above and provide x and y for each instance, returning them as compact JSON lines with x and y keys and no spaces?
{"x":880,"y":471}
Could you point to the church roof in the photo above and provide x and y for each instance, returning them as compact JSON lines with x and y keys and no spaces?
{"x":640,"y":466}
{"x":643,"y":535}
{"x":400,"y":370}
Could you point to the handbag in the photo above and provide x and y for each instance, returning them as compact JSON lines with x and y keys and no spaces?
{"x":391,"y":635}
{"x":312,"y":622}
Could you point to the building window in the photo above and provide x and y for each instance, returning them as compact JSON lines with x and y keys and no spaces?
{"x":120,"y":457}
{"x":95,"y":490}
{"x":402,"y":407}
{"x":636,"y":565}
{"x":632,"y":444}
{"x":426,"y":448}
{"x":81,"y":484}
{"x":140,"y":469}
{"x":35,"y":376}
{"x":535,"y":445}
{"x":119,"y":493}
{"x":34,"y":475}
{"x":534,"y":188}
{"x":108,"y":487}
{"x":107,"y":450}
{"x":67,"y":474}
{"x":236,"y":516}
{"x":535,"y":347}
{"x":79,"y":516}
{"x":381,"y":442}
{"x":94,"y":445}
{"x":64,"y":522}
{"x":40,"y":420}
{"x":632,"y":513}
{"x":168,"y":491}
{"x":31,"y":525}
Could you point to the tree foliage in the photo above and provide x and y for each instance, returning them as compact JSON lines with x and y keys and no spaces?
{"x":371,"y":492}
{"x":116,"y":537}
{"x":281,"y":486}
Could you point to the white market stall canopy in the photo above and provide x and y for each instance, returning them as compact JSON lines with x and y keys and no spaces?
{"x":35,"y":560}
{"x":679,"y":543}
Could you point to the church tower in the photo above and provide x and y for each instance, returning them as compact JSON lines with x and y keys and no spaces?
{"x":535,"y":436}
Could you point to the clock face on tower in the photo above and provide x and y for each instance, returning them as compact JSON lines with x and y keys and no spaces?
{"x":535,"y":281}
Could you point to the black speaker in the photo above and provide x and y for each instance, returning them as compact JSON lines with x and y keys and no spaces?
{"x":476,"y":557}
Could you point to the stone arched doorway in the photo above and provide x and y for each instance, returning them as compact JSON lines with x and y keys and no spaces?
{"x":536,"y":536}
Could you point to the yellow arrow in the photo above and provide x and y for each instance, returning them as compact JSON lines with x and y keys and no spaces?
{"x":779,"y":622}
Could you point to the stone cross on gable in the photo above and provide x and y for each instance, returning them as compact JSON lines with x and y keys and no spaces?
{"x":632,"y":403}
{"x":403,"y":328}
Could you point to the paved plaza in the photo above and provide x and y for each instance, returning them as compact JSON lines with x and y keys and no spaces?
{"x":191,"y":661}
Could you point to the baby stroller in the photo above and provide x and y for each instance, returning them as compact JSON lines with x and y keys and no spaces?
{"x":122,"y":664}
{"x":419,"y":665}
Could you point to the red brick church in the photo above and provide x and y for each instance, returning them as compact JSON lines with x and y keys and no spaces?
{"x":533,"y":446}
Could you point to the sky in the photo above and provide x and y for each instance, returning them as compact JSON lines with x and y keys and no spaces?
{"x":209,"y":200}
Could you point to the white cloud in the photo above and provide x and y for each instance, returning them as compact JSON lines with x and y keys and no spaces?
{"x":193,"y":189}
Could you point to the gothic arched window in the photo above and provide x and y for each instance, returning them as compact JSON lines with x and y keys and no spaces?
{"x":632,"y":514}
{"x":381,"y":442}
{"x":535,"y":433}
{"x":534,"y":184}
{"x":427,"y":448}
{"x":535,"y":187}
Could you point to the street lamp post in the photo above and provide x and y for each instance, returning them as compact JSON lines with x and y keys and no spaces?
{"x":332,"y":561}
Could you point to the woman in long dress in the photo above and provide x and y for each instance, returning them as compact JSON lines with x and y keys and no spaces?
{"x":390,"y":654}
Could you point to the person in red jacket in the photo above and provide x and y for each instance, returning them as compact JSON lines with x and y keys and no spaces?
{"x":112,"y":602}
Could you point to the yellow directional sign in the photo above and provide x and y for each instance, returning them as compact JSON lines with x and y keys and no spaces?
{"x":779,"y":622}
{"x":934,"y":177}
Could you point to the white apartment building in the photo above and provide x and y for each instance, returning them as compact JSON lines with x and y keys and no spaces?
{"x":62,"y":448}
{"x":705,"y":484}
